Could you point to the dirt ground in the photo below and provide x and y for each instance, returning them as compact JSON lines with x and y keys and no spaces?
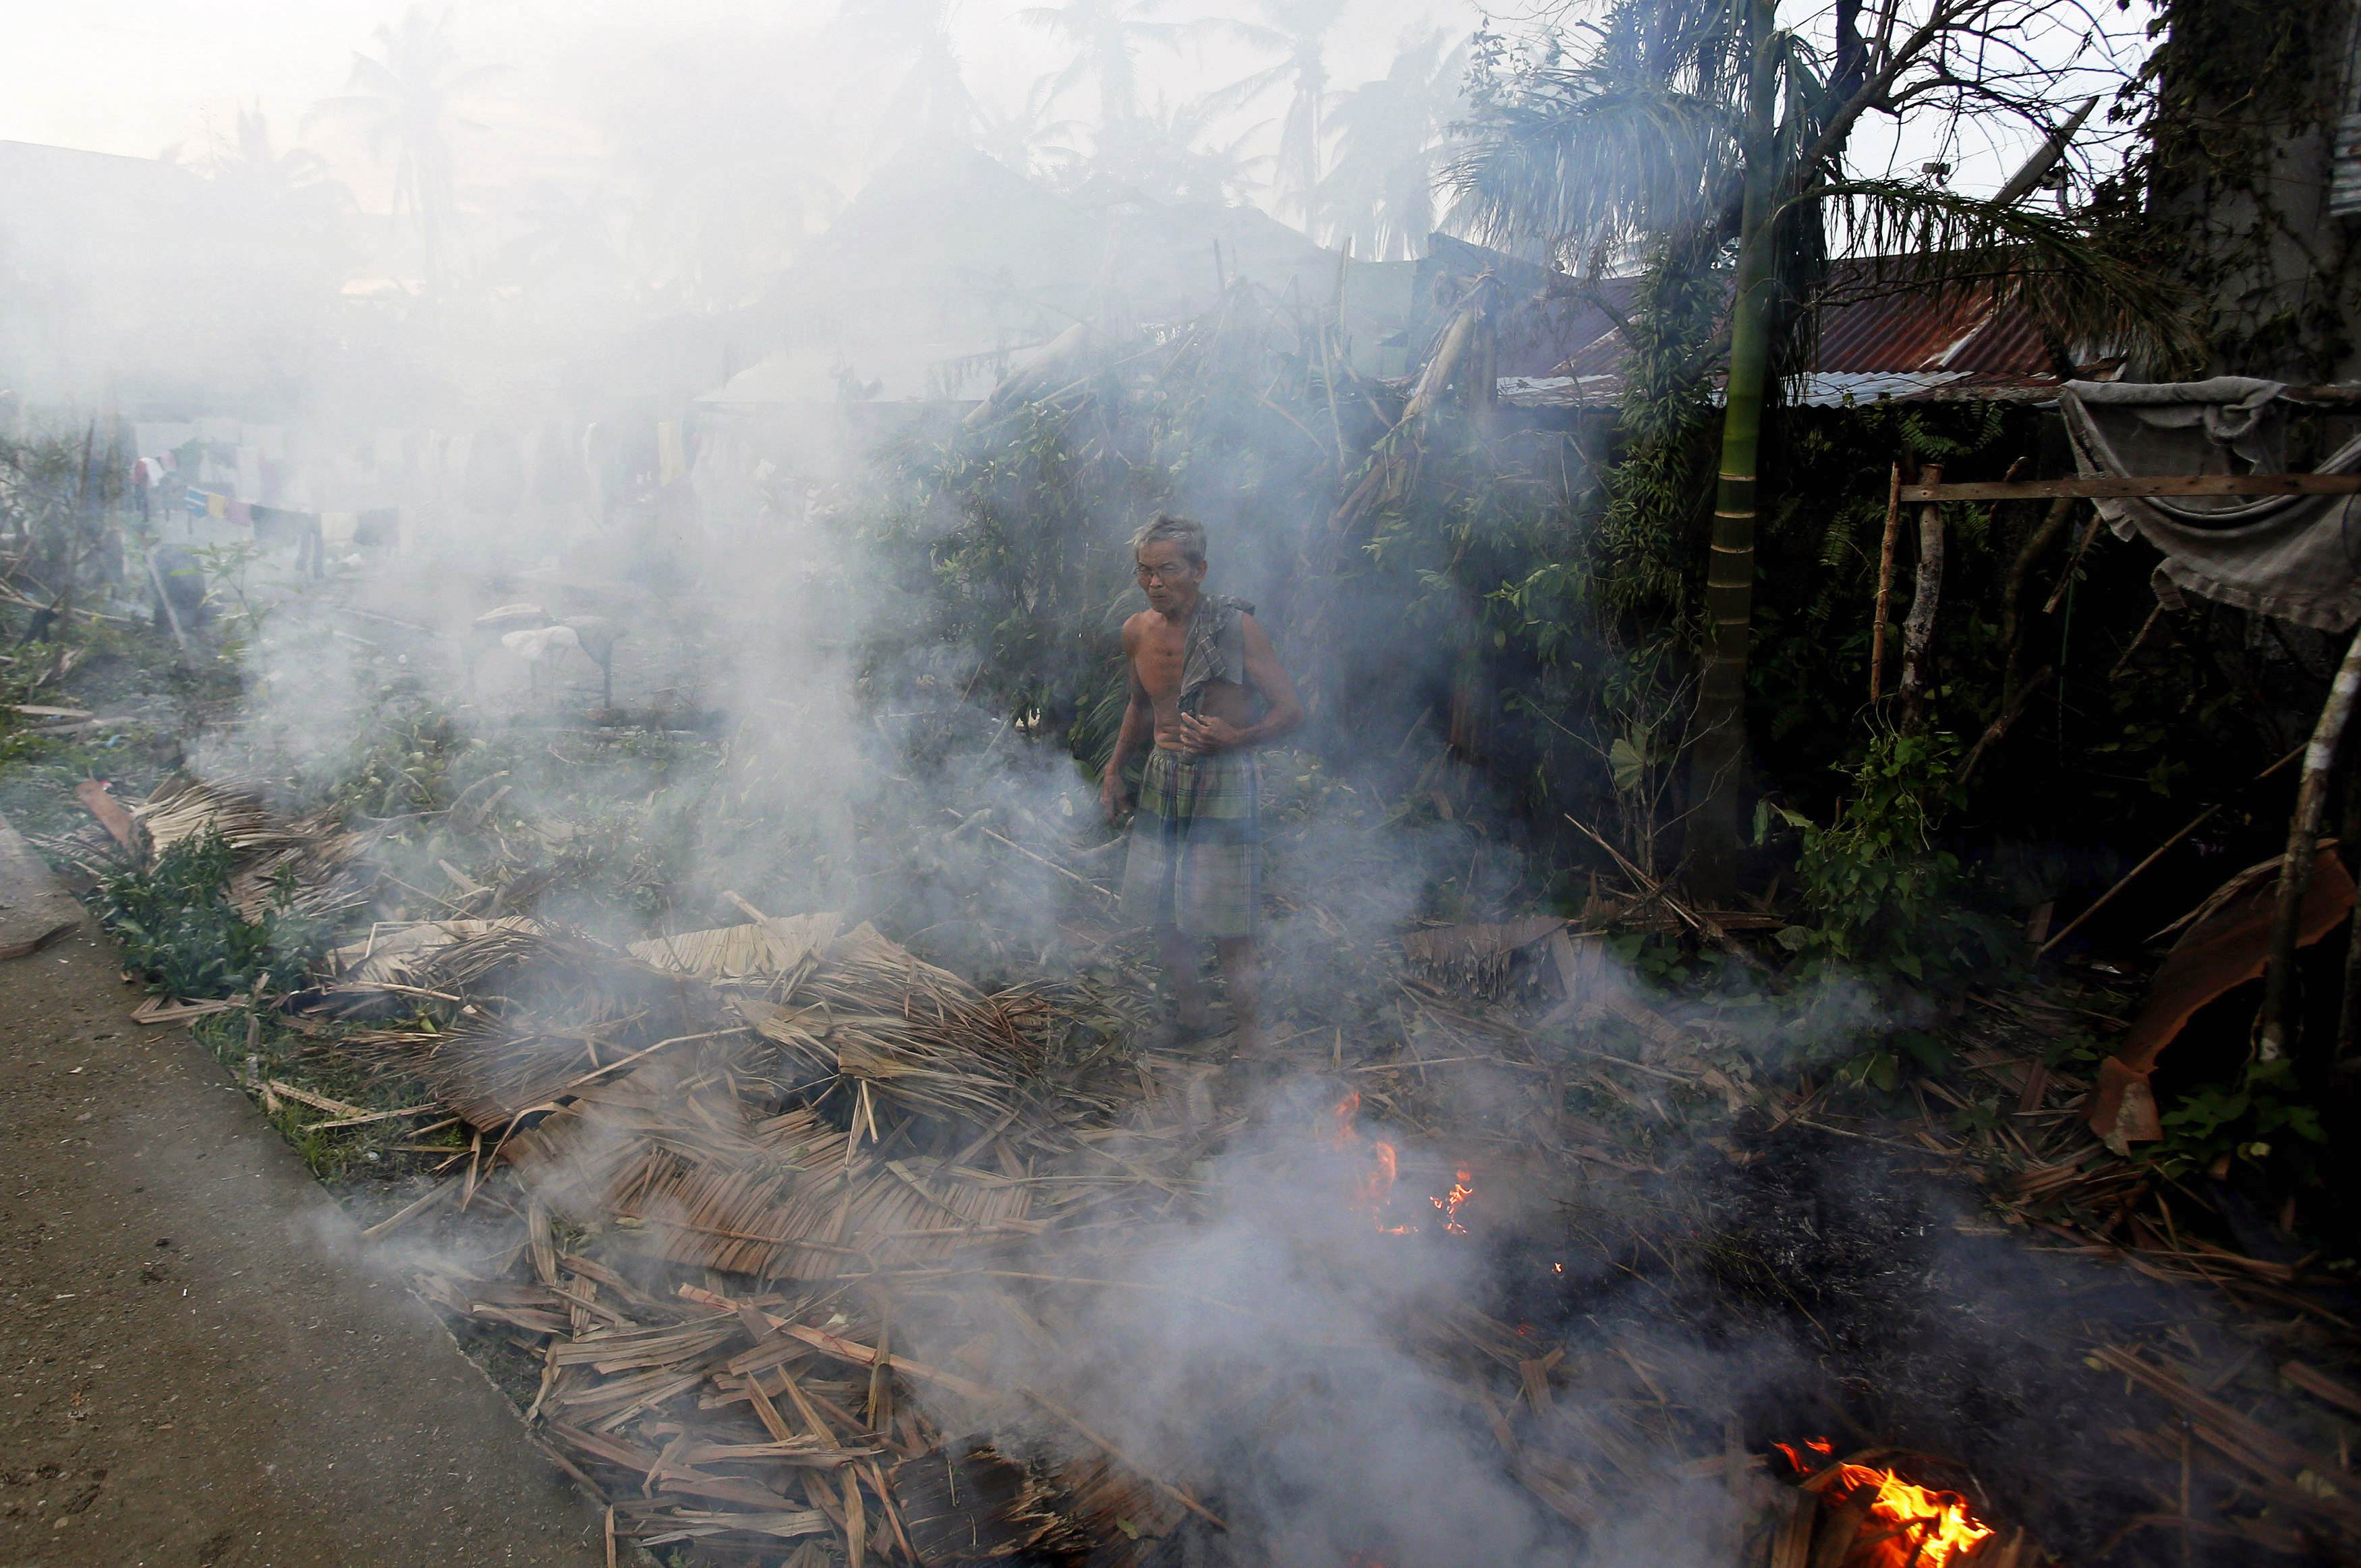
{"x":198,"y":1367}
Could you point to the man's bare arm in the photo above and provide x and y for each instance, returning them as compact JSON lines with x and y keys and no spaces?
{"x":1138,"y":724}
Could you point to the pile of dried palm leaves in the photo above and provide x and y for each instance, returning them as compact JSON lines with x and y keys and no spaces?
{"x":782,"y":1119}
{"x":739,"y":1165}
{"x":738,"y":1158}
{"x":311,"y":863}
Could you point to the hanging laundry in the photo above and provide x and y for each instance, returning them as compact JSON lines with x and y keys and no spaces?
{"x":2291,"y":556}
{"x":278,"y":526}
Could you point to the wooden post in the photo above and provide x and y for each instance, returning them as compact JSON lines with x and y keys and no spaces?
{"x":1927,"y":595}
{"x":2303,"y":840}
{"x":1884,"y":583}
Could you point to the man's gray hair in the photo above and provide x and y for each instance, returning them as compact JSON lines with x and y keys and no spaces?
{"x":1186,"y":533}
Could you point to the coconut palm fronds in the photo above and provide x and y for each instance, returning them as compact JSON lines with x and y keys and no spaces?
{"x":970,"y":1504}
{"x":183,"y":808}
{"x":855,"y":1006}
{"x":763,"y":953}
{"x":307,"y":865}
{"x":680,"y":1163}
{"x":393,"y":954}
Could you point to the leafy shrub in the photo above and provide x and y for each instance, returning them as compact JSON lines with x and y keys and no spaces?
{"x":1880,"y":891}
{"x":180,"y":930}
{"x":2240,"y":1122}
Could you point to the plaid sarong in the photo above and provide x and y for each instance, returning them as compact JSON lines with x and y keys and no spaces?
{"x":1196,"y":844}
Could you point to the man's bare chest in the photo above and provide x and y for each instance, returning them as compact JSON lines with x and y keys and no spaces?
{"x":1160,"y":658}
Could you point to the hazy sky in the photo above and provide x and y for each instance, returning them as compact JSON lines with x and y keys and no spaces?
{"x":137,"y":76}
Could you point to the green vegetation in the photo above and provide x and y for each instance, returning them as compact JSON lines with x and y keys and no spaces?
{"x":180,"y":930}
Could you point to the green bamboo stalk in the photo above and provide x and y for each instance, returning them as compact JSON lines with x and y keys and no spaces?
{"x":1721,"y":747}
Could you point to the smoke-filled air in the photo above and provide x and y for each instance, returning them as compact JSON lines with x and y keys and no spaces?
{"x":1347,"y":783}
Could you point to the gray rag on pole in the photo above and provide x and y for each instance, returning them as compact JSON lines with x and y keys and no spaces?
{"x":2296,"y":557}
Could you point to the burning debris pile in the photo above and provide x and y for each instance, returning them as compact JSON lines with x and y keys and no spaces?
{"x":797,"y":1245}
{"x":744,"y":1158}
{"x":1870,"y":1517}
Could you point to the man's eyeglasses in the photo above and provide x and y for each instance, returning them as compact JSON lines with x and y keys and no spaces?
{"x":1172,"y":572}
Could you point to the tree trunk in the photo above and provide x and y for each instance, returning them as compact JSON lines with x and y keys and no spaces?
{"x":1884,"y":585}
{"x":1721,"y":747}
{"x":1926,"y":601}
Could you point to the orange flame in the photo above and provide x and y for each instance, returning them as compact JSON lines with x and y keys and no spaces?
{"x":1373,"y":1189}
{"x":1921,"y":1528}
{"x":1344,"y":1114}
{"x":1463,"y":1188}
{"x":1819,"y":1445}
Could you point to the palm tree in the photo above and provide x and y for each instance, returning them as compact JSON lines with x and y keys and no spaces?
{"x":1297,"y":32}
{"x":407,"y":95}
{"x":1027,"y":134}
{"x":1379,"y":194}
{"x":1700,"y":129}
{"x":931,"y":99}
{"x":290,"y":193}
{"x":1163,"y":152}
{"x":1105,"y":35}
{"x":250,"y":163}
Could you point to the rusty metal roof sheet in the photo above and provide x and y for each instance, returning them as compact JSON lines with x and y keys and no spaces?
{"x":1819,"y":388}
{"x":1919,"y":332}
{"x":1875,"y":329}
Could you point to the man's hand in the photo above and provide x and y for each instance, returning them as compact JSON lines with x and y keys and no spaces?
{"x":1114,"y":799}
{"x":1204,"y":735}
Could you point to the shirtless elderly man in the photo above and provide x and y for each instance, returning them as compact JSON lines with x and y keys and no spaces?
{"x":1198,"y":664}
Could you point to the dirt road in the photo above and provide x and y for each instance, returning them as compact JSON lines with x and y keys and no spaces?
{"x":196,"y":1370}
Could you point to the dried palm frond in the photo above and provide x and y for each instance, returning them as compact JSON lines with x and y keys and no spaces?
{"x":704,"y":1183}
{"x":966,"y":1503}
{"x":1479,"y":956}
{"x":1134,"y":1523}
{"x":493,"y":1071}
{"x":856,"y":1006}
{"x":184,"y":807}
{"x":307,"y":865}
{"x":764,"y":952}
{"x":392,"y":953}
{"x":546,"y":1013}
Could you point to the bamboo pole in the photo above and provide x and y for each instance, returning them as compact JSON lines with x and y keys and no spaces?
{"x":1884,"y":583}
{"x":1718,"y":753}
{"x":2303,"y":842}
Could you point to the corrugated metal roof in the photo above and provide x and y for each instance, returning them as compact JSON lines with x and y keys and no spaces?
{"x":1820,"y":388}
{"x":1885,"y":330}
{"x":1886,"y":327}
